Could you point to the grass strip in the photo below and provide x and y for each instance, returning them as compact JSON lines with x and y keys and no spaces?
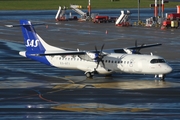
{"x":95,"y":4}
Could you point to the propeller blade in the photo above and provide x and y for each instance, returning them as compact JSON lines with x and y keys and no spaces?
{"x":142,"y":45}
{"x":96,"y":48}
{"x":103,"y":63}
{"x":99,"y":56}
{"x":102,"y":48}
{"x":136,"y":43}
{"x":97,"y":64}
{"x":138,"y":50}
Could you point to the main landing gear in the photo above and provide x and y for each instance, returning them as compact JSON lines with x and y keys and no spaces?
{"x":89,"y":74}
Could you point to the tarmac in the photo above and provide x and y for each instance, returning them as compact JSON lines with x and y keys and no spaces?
{"x":30,"y":90}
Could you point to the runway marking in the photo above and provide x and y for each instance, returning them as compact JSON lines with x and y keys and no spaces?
{"x":5,"y":99}
{"x":68,"y":86}
{"x":131,"y":84}
{"x":95,"y":107}
{"x":40,"y":96}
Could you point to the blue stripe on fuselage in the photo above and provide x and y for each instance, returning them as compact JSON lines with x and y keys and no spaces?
{"x":41,"y":59}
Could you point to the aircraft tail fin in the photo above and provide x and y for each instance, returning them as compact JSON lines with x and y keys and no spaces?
{"x":33,"y":42}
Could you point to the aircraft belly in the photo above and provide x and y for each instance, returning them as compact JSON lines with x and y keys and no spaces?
{"x":110,"y":67}
{"x":87,"y":66}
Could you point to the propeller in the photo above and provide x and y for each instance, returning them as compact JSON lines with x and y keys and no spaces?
{"x":99,"y":56}
{"x":137,"y":51}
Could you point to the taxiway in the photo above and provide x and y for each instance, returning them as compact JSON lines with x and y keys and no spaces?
{"x":31,"y":90}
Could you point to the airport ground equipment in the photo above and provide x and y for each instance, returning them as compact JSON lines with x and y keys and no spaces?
{"x":60,"y":15}
{"x":123,"y":19}
{"x":172,"y":20}
{"x":75,"y":8}
{"x":103,"y":19}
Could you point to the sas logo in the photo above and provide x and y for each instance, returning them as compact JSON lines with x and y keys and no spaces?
{"x":31,"y":43}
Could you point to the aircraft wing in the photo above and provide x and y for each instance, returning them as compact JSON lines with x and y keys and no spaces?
{"x":145,"y":46}
{"x":82,"y":54}
{"x":134,"y":48}
{"x":62,"y":53}
{"x":114,"y":50}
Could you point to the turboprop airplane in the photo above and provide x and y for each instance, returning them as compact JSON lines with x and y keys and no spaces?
{"x":91,"y":62}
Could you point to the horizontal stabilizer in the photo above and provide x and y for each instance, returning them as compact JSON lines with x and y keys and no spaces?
{"x":19,"y":25}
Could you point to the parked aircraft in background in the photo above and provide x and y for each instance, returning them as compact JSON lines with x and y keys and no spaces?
{"x":126,"y":60}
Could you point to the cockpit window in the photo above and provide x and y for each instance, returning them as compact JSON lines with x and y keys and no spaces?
{"x":157,"y":61}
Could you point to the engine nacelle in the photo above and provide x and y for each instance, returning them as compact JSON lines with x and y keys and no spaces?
{"x":128,"y":51}
{"x":92,"y":55}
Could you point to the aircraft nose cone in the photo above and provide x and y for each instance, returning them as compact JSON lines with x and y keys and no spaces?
{"x":169,"y":69}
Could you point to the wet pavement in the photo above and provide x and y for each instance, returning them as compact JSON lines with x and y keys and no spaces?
{"x":30,"y":90}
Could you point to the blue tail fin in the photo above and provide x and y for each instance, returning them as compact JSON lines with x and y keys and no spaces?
{"x":31,"y":39}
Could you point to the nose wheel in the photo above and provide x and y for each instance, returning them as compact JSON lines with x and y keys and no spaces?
{"x":161,"y":76}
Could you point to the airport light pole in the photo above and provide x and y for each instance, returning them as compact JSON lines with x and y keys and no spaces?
{"x":159,"y":8}
{"x":138,"y":10}
{"x":162,"y":9}
{"x":89,"y":8}
{"x":155,"y":9}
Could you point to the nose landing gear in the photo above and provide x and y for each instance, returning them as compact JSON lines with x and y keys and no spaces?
{"x":161,"y":76}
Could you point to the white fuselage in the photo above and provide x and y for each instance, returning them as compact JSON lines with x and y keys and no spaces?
{"x":91,"y":62}
{"x":128,"y":63}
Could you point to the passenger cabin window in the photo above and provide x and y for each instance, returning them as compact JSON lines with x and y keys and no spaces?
{"x":153,"y":61}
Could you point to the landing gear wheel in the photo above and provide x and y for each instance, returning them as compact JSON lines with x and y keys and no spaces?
{"x":162,"y":78}
{"x":89,"y":75}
